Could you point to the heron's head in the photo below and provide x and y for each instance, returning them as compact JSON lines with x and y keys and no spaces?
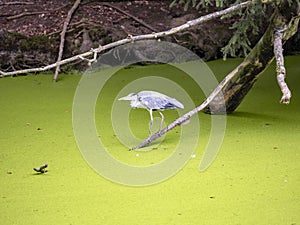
{"x":130,"y":97}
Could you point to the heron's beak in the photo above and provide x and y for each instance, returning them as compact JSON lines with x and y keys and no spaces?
{"x":128,"y":98}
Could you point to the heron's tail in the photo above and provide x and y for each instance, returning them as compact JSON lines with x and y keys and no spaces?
{"x":176,"y":103}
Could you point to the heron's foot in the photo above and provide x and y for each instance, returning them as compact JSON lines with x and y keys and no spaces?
{"x":161,"y":122}
{"x":160,"y":128}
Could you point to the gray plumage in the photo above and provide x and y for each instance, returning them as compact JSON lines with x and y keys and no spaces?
{"x":152,"y":101}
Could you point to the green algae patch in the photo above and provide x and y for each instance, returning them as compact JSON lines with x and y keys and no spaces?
{"x":254,"y":179}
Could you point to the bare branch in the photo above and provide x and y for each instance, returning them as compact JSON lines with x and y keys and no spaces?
{"x":17,"y":3}
{"x":174,"y":30}
{"x":280,"y":68}
{"x":94,"y":59}
{"x":62,"y":36}
{"x":25,"y":14}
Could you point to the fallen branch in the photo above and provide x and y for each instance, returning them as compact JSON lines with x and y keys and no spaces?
{"x":181,"y":120}
{"x":280,"y":68}
{"x":25,"y":14}
{"x":129,"y":39}
{"x":17,"y":3}
{"x":62,"y":37}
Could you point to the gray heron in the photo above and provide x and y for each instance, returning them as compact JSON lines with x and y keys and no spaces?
{"x":152,"y":101}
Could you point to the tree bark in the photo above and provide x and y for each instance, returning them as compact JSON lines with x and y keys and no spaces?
{"x":286,"y":16}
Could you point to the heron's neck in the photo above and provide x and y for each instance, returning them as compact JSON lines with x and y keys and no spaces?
{"x":135,"y":104}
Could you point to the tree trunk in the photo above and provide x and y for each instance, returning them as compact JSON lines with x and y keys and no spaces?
{"x":285,"y":17}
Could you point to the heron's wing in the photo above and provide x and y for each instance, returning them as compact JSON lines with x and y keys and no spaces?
{"x":154,"y":102}
{"x":159,"y":102}
{"x":176,"y":103}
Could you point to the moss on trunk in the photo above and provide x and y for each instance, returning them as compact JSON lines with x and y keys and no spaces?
{"x":285,"y":16}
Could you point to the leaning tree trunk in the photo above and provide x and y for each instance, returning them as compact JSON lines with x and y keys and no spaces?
{"x":285,"y":18}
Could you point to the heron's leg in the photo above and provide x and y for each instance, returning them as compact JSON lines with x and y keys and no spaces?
{"x":151,"y":123}
{"x":162,"y":120}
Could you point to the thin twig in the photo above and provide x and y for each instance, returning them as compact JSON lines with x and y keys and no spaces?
{"x":17,"y":3}
{"x":280,"y":68}
{"x":78,"y":24}
{"x":90,"y":61}
{"x":131,"y":16}
{"x":129,"y":39}
{"x":11,"y":17}
{"x":25,"y":14}
{"x":62,"y":37}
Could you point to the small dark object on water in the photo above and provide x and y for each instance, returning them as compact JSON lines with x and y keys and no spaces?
{"x":42,"y":169}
